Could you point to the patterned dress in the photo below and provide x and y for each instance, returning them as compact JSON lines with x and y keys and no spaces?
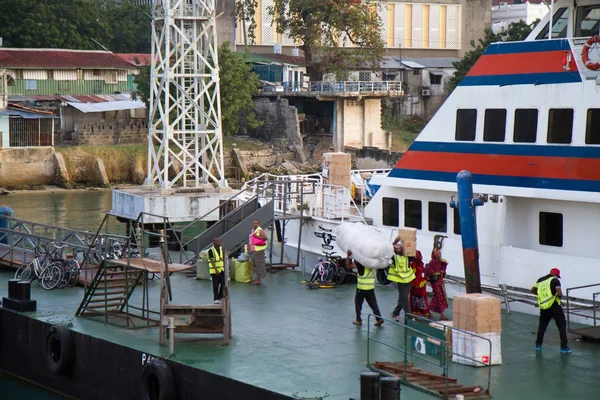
{"x":439,"y":302}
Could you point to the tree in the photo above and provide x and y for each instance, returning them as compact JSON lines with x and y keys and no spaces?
{"x":319,"y":25}
{"x":130,"y":26}
{"x":516,"y":31}
{"x":237,"y":85}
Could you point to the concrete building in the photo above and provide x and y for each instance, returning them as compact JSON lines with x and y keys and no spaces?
{"x":410,"y":29}
{"x":527,"y":12}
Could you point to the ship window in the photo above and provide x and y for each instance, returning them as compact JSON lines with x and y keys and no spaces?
{"x":494,"y":126}
{"x":391,"y":211}
{"x":456,"y":221}
{"x":592,"y":128}
{"x":588,"y":18}
{"x":551,"y":229}
{"x":559,"y":25}
{"x":412,"y":214}
{"x":466,"y":123}
{"x":438,"y":218}
{"x":560,"y":125}
{"x":525,"y":128}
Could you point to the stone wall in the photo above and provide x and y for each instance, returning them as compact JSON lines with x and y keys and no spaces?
{"x":27,"y":166}
{"x":280,"y":126}
{"x":109,"y":132}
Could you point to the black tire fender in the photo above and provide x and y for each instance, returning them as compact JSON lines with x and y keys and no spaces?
{"x":158,"y":382}
{"x":59,"y":350}
{"x":381,"y":275}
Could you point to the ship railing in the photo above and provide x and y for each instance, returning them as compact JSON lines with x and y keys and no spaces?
{"x":422,"y":340}
{"x":584,"y":311}
{"x":360,"y":179}
{"x":335,"y":202}
{"x":343,"y":87}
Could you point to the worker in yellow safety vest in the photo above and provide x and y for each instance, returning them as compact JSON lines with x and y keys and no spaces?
{"x":365,"y":289}
{"x":216,"y":269}
{"x":402,"y":274}
{"x":548,"y":292}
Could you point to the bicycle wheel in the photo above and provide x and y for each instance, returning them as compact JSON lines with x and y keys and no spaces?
{"x":24,"y":272}
{"x":74,"y":278}
{"x":51,"y":277}
{"x":340,"y":275}
{"x":381,"y":275}
{"x":314,"y":275}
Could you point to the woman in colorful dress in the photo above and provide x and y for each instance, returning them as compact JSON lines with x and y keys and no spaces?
{"x":418,"y":292}
{"x":435,"y":272}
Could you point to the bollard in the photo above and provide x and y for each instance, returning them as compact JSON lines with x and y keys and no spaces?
{"x":12,"y":288}
{"x":390,"y":388}
{"x":24,"y":291}
{"x":369,"y":386}
{"x":171,"y":336}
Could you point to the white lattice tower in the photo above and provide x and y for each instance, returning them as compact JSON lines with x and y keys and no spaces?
{"x":185,"y":103}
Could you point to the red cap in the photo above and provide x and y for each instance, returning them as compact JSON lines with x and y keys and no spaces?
{"x":555,"y":272}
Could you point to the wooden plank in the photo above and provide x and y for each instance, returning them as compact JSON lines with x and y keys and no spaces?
{"x":149,"y":265}
{"x":464,"y":389}
{"x":116,"y":304}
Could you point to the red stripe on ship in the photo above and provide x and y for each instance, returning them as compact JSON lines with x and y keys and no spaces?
{"x":521,"y":63}
{"x":503,"y":165}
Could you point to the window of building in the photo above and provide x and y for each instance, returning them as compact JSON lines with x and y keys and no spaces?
{"x":559,"y":25}
{"x":456,"y":221}
{"x":391,"y":211}
{"x":435,"y":78}
{"x":494,"y":127}
{"x":466,"y":124}
{"x":525,"y":128}
{"x":560,"y":125}
{"x":413,"y":217}
{"x":438,"y":218}
{"x":364,"y":76}
{"x":30,"y":84}
{"x":551,"y":229}
{"x":592,"y":126}
{"x":587,"y":21}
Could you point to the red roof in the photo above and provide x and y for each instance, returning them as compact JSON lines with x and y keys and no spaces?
{"x":135,"y":59}
{"x":60,"y":59}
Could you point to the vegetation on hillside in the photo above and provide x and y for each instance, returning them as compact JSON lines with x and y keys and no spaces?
{"x":404,"y":130}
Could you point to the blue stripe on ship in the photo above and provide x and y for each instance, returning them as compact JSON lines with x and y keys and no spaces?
{"x":496,"y":180}
{"x":521,"y":79}
{"x":528,"y":47}
{"x":508,"y":149}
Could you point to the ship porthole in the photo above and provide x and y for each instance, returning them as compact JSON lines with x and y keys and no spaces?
{"x":59,"y":349}
{"x":157,"y":381}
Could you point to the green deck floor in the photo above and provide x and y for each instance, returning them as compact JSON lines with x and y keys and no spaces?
{"x":292,"y":340}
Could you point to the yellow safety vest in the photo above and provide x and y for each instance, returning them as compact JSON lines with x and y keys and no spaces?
{"x":256,"y":247}
{"x":400,"y":270}
{"x":218,"y":257}
{"x":366,"y":281}
{"x":545,"y":296}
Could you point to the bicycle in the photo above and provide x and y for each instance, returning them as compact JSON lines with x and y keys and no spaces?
{"x":328,"y":271}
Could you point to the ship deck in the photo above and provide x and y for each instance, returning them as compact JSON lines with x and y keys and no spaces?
{"x":302,"y":343}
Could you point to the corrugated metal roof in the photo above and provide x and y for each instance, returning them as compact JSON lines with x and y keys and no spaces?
{"x":63,"y":59}
{"x":24,"y":114}
{"x":391,"y":63}
{"x":412,"y":64}
{"x":107,"y":106}
{"x":97,"y":98}
{"x":433,"y":62}
{"x":135,"y":59}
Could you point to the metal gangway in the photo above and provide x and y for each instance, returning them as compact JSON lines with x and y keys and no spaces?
{"x":585,"y":311}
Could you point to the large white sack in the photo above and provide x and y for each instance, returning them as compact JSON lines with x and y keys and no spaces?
{"x":368,"y":246}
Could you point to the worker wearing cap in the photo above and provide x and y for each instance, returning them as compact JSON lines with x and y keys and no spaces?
{"x":548,"y":292}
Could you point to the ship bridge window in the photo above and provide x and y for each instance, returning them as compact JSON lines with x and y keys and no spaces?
{"x":456,"y":221}
{"x":559,"y":25}
{"x":494,"y":126}
{"x":391,"y":211}
{"x":592,"y":128}
{"x":560,"y":125}
{"x":438,"y":217}
{"x":466,"y":124}
{"x":588,"y":18}
{"x":551,"y":229}
{"x":525,"y":128}
{"x":413,"y":217}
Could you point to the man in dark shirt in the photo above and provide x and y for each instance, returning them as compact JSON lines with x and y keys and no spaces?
{"x":548,"y":292}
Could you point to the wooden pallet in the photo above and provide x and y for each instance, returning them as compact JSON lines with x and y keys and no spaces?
{"x":436,"y":384}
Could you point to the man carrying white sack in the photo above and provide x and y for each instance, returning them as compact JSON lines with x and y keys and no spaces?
{"x":365,"y":290}
{"x":401,"y":273}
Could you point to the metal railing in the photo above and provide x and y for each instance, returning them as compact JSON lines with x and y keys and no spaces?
{"x":444,"y":350}
{"x":340,"y":87}
{"x":577,"y":309}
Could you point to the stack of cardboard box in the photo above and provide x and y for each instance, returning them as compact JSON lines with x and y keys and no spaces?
{"x":408,"y":236}
{"x":337,"y":167}
{"x":478,"y":314}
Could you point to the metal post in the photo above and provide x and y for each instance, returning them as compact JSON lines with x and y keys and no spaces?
{"x":171,"y":336}
{"x":468,"y":226}
{"x":301,"y":224}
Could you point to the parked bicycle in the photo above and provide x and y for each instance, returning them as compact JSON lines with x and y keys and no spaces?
{"x":327,"y":271}
{"x":50,"y":269}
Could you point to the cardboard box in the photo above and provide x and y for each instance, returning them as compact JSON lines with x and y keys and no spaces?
{"x":407,"y":234}
{"x":410,"y":248}
{"x":338,"y":166}
{"x":471,"y":350}
{"x":475,"y":312}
